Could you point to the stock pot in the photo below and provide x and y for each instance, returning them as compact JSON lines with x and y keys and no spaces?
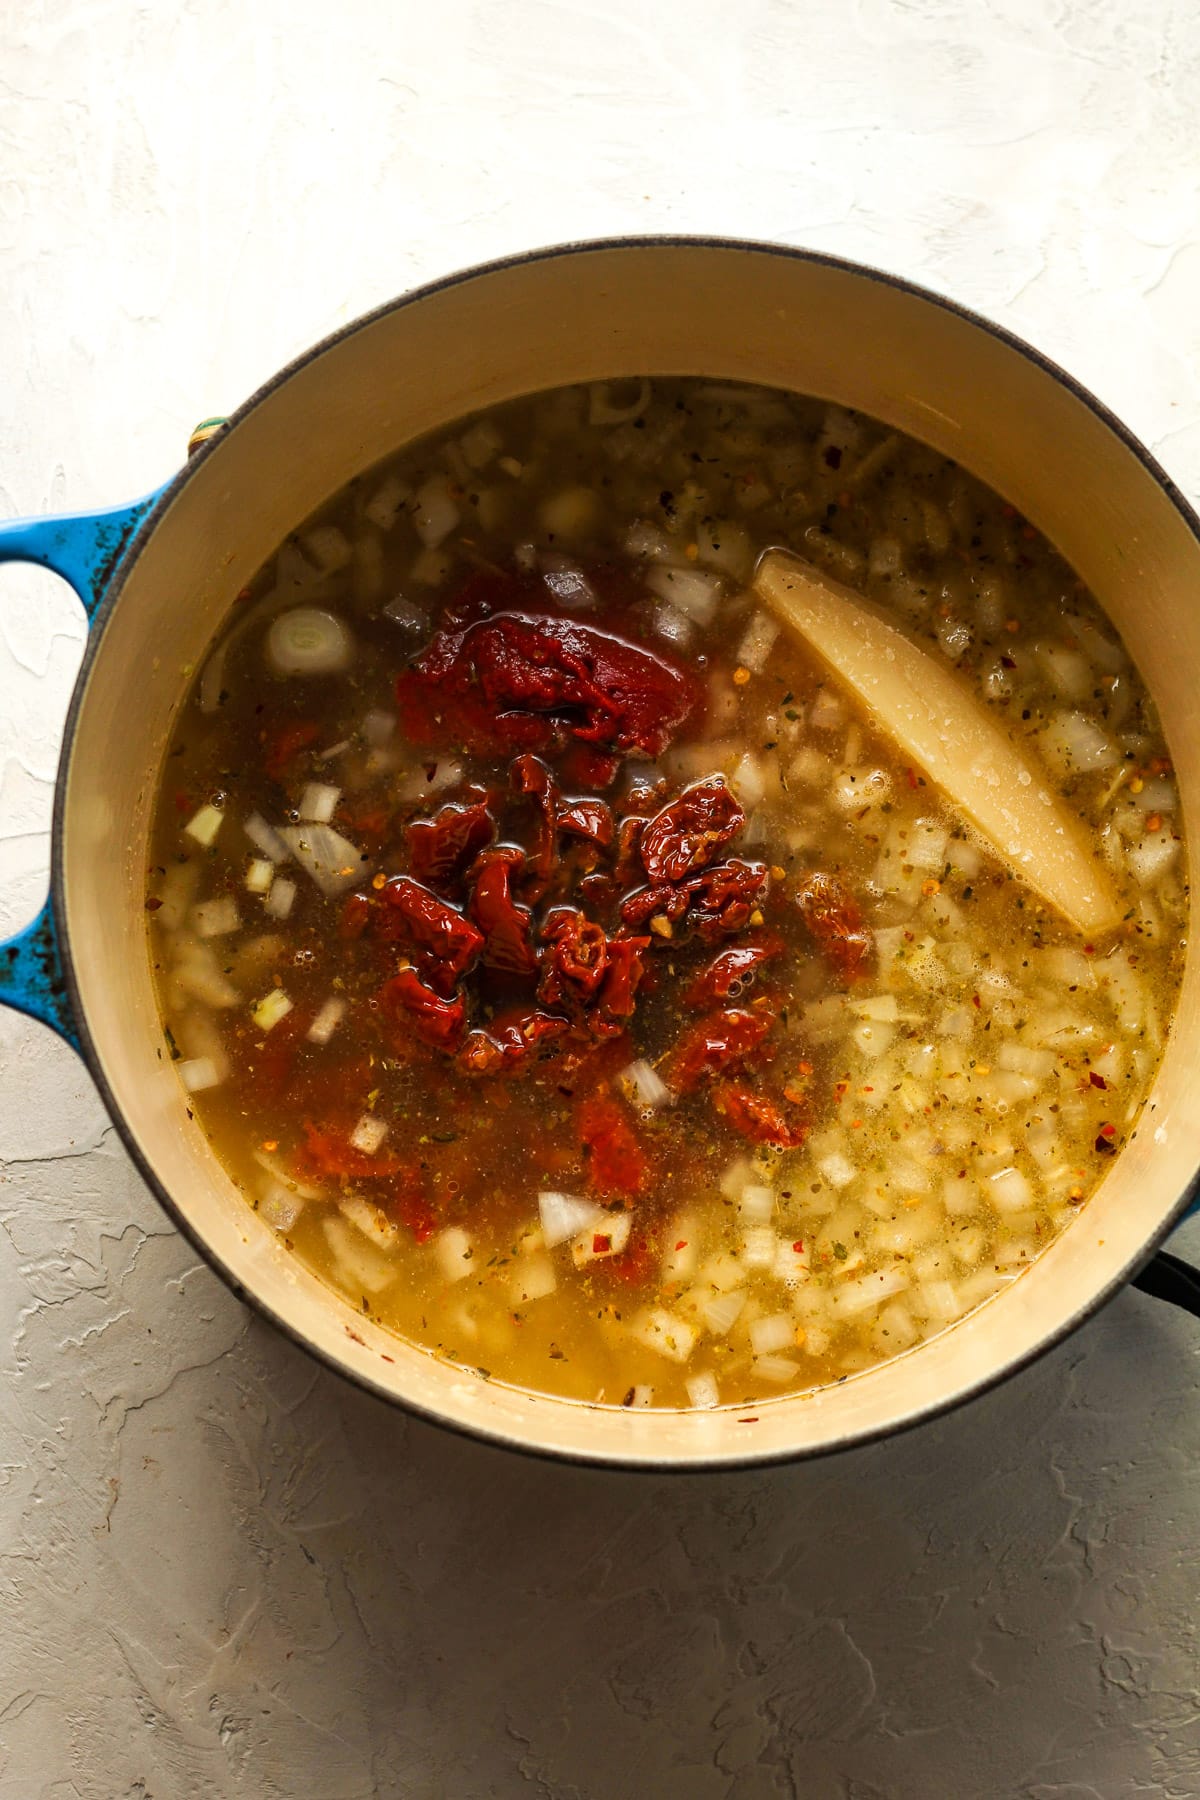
{"x":156,"y":578}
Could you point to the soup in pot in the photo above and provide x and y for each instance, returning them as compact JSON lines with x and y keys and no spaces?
{"x":580,"y":953}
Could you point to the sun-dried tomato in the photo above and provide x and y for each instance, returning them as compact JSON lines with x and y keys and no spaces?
{"x":585,"y":818}
{"x":440,"y":848}
{"x":585,"y":767}
{"x":834,"y":918}
{"x":711,"y":904}
{"x":758,"y":1117}
{"x":508,"y":1043}
{"x":574,"y":960}
{"x":504,"y":923}
{"x":407,"y":1204}
{"x":527,"y":680}
{"x":355,"y":916}
{"x":286,"y":744}
{"x":623,"y":976}
{"x":731,"y":970}
{"x":449,"y":943}
{"x":687,"y":833}
{"x":719,"y":1042}
{"x":409,"y":1005}
{"x":616,"y":1162}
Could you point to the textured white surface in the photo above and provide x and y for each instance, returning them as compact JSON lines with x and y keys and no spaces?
{"x":224,"y":1573}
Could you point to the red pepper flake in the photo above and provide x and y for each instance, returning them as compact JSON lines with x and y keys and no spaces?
{"x":682,"y":1244}
{"x":1097,"y":1081}
{"x":798,"y":1246}
{"x":910,"y":775}
{"x":601,"y":1244}
{"x":753,"y":1420}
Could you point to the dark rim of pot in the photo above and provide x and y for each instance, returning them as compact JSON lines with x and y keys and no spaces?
{"x":481,"y":1433}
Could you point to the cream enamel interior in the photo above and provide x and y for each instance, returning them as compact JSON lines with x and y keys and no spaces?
{"x":722,"y":310}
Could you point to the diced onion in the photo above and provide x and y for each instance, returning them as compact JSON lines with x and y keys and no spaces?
{"x":430,"y":778}
{"x":271,"y":1009}
{"x":371,"y":1220}
{"x":569,"y":585}
{"x":216,"y":918}
{"x":721,"y":1311}
{"x":775,"y":1332}
{"x":666,"y":1333}
{"x":649,"y":1088}
{"x":453,"y":1251}
{"x":259,"y":875}
{"x":436,"y":514}
{"x":205,"y":824}
{"x":757,"y":1204}
{"x":281,"y":899}
{"x":377,"y":728}
{"x":837,"y":1170}
{"x":1152,"y":855}
{"x":702,"y":1390}
{"x":307,"y":640}
{"x":326,"y":547}
{"x":212,"y":681}
{"x":863,"y":1292}
{"x":759,"y":1244}
{"x":279,"y":1206}
{"x":319,"y":802}
{"x":693,"y":591}
{"x":564,"y":1216}
{"x":327,"y":1020}
{"x":774,"y":1368}
{"x":358,"y":1264}
{"x":749,"y":781}
{"x":264,"y":837}
{"x":368,"y":1134}
{"x":411,"y":619}
{"x":1009,"y":1191}
{"x":198,"y":1073}
{"x":278,"y":1172}
{"x":533,"y":1279}
{"x":333,"y":862}
{"x":199,"y":974}
{"x":387,"y":502}
{"x":757,"y":642}
{"x":642,"y":1396}
{"x":607,"y":1237}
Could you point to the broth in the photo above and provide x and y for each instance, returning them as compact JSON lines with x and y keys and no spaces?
{"x":561,"y":961}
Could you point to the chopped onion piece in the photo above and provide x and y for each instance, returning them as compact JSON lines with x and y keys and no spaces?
{"x":564,"y":1216}
{"x":642,"y":1396}
{"x":198,"y":1073}
{"x":264,"y":837}
{"x":791,"y":1263}
{"x":759,"y":1244}
{"x":368,"y":1134}
{"x":569,"y":585}
{"x":216,"y":918}
{"x":430,"y":778}
{"x":757,"y":642}
{"x":757,"y":1204}
{"x":205,"y":824}
{"x":199,"y":974}
{"x":1010,"y":1191}
{"x":884,"y":1009}
{"x":436,"y":514}
{"x":387,"y":502}
{"x":774,"y":1368}
{"x":703,"y":1391}
{"x":358,"y":1264}
{"x":607,"y":1237}
{"x":212,"y":688}
{"x":412,"y":619}
{"x":279,"y":1172}
{"x":571,"y":514}
{"x":281,"y":899}
{"x":647,"y":541}
{"x":259,"y":875}
{"x":693,"y":591}
{"x":319,"y":802}
{"x":749,"y":781}
{"x":1152,"y":855}
{"x":333,"y":862}
{"x":480,"y":443}
{"x":721,"y":1311}
{"x":271,"y":1009}
{"x":377,"y":728}
{"x":649,"y":1088}
{"x":279,"y":1206}
{"x":327,"y":1020}
{"x":453,"y":1250}
{"x":666,"y":1333}
{"x":776,"y":1332}
{"x":309,"y":641}
{"x":837,"y":1170}
{"x":867,"y":1291}
{"x":327,"y":547}
{"x":371,"y":1220}
{"x":533,"y":1278}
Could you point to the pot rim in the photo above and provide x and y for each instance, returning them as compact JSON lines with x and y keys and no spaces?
{"x":481,"y":1433}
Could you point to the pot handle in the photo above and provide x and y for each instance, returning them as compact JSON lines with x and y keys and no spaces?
{"x":84,"y":548}
{"x":1167,"y":1277}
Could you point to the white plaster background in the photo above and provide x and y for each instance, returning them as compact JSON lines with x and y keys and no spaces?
{"x":222,"y":1572}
